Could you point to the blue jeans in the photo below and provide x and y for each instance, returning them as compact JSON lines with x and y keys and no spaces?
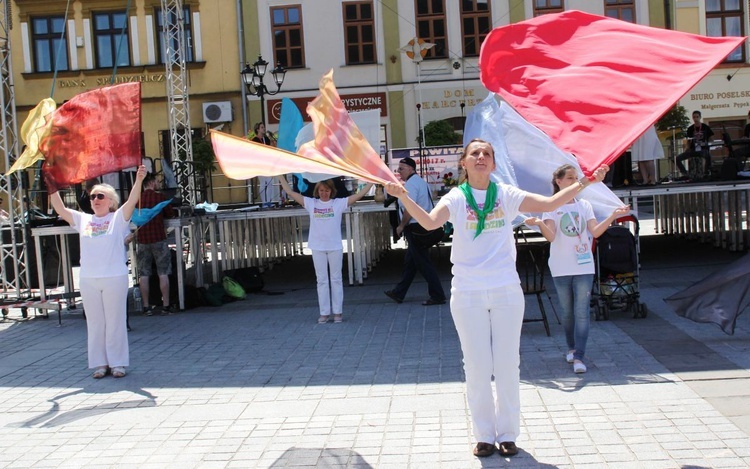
{"x":574,"y":293}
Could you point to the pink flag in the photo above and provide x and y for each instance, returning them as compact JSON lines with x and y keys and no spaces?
{"x":337,"y":138}
{"x":594,"y":84}
{"x":240,"y":158}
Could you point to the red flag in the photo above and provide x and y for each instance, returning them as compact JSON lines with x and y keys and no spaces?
{"x":594,"y":84}
{"x":95,"y":133}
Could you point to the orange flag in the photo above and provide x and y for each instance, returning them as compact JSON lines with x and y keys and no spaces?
{"x":339,"y":147}
{"x":95,"y":133}
{"x":240,"y":158}
{"x":337,"y":137}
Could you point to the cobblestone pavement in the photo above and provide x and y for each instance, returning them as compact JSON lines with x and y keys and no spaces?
{"x":257,"y":383}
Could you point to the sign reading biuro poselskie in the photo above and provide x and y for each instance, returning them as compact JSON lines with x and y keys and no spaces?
{"x":438,"y":163}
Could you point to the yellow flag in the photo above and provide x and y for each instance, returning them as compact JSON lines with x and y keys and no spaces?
{"x":33,"y":130}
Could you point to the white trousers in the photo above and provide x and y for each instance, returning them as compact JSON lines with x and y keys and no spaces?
{"x":489,"y":328}
{"x":325,"y":261}
{"x":105,"y":304}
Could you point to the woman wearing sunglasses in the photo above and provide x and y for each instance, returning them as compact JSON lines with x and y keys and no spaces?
{"x":104,"y":273}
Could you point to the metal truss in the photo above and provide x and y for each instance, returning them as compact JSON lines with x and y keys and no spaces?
{"x":15,"y":235}
{"x":181,"y":144}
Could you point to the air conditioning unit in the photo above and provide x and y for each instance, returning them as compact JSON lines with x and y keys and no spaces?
{"x":220,"y":111}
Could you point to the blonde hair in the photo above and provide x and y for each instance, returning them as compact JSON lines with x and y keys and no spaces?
{"x":110,"y":193}
{"x":329,"y":184}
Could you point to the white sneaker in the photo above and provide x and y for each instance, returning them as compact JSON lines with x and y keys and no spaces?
{"x":579,"y":367}
{"x":569,"y":356}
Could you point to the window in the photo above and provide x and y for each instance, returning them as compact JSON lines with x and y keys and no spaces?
{"x":542,"y":7}
{"x":431,"y":27}
{"x":50,"y":47}
{"x":111,"y":39}
{"x":620,"y":9}
{"x":359,"y":33}
{"x":476,"y":23}
{"x":188,"y":30}
{"x":725,"y":18}
{"x":288,"y":43}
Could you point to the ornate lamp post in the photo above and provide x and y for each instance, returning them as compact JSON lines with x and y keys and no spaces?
{"x":253,"y":75}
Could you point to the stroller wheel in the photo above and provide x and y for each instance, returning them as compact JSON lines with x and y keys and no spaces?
{"x":597,"y":310}
{"x":643,"y":310}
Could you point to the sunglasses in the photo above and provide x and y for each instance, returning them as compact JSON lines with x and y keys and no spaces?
{"x":98,"y":196}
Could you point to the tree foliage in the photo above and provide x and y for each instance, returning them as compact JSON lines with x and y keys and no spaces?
{"x":440,"y":133}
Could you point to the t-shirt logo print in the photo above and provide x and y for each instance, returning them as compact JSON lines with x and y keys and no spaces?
{"x":93,"y":230}
{"x":323,"y":213}
{"x":569,"y":224}
{"x":495,"y":219}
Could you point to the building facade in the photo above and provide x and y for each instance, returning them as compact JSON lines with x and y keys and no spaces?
{"x":371,"y":46}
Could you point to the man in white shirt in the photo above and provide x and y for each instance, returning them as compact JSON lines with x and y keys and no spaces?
{"x":417,"y":256}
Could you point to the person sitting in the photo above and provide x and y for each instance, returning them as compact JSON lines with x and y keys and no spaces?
{"x":698,"y":136}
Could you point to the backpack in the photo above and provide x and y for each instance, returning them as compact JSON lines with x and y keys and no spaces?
{"x":214,"y":294}
{"x":729,"y":169}
{"x":233,"y":289}
{"x":248,"y":277}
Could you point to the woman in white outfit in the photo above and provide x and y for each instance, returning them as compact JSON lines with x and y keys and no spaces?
{"x":104,"y":273}
{"x":487,"y":302}
{"x":645,"y":150}
{"x":569,"y":229}
{"x":324,"y":240}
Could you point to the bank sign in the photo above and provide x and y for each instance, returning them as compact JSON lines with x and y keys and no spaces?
{"x":436,"y":162}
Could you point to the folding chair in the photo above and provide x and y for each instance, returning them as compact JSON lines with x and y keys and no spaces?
{"x":531,"y":262}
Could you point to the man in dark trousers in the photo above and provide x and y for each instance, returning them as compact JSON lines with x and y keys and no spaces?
{"x":698,"y":135}
{"x":153,"y":248}
{"x":417,"y":256}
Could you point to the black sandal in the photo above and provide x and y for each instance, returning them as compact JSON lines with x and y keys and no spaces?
{"x":508,"y":448}
{"x":482,"y":450}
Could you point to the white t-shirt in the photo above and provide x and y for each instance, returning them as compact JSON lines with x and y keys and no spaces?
{"x":103,"y":251}
{"x":489,"y":261}
{"x":325,"y":223}
{"x":570,"y":252}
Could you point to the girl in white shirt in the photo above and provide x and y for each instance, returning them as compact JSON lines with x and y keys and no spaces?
{"x":486,"y":301}
{"x":570,"y":229}
{"x":324,"y":240}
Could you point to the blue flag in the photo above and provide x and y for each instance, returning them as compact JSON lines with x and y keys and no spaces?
{"x":290,"y":124}
{"x":141,"y":216}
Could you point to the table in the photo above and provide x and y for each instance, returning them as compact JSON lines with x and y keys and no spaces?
{"x":227,"y":240}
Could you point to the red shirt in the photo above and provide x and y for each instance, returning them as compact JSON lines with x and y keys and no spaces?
{"x":153,"y":231}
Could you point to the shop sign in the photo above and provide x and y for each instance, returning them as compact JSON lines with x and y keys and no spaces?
{"x":352,"y":102}
{"x":437,"y":161}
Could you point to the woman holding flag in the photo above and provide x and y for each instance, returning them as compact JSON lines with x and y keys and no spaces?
{"x":324,"y":241}
{"x":104,"y":273}
{"x":487,"y":303}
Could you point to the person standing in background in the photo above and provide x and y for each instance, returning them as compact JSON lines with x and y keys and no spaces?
{"x":269,"y":193}
{"x":645,"y":150}
{"x":417,"y":256}
{"x":324,"y":240}
{"x":154,"y":249}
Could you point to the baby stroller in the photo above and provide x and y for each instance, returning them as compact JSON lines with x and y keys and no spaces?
{"x":616,"y":281}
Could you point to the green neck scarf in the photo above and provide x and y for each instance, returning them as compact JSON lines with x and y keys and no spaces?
{"x":489,"y":203}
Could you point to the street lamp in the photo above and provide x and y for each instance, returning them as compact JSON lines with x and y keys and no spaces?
{"x":253,"y":75}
